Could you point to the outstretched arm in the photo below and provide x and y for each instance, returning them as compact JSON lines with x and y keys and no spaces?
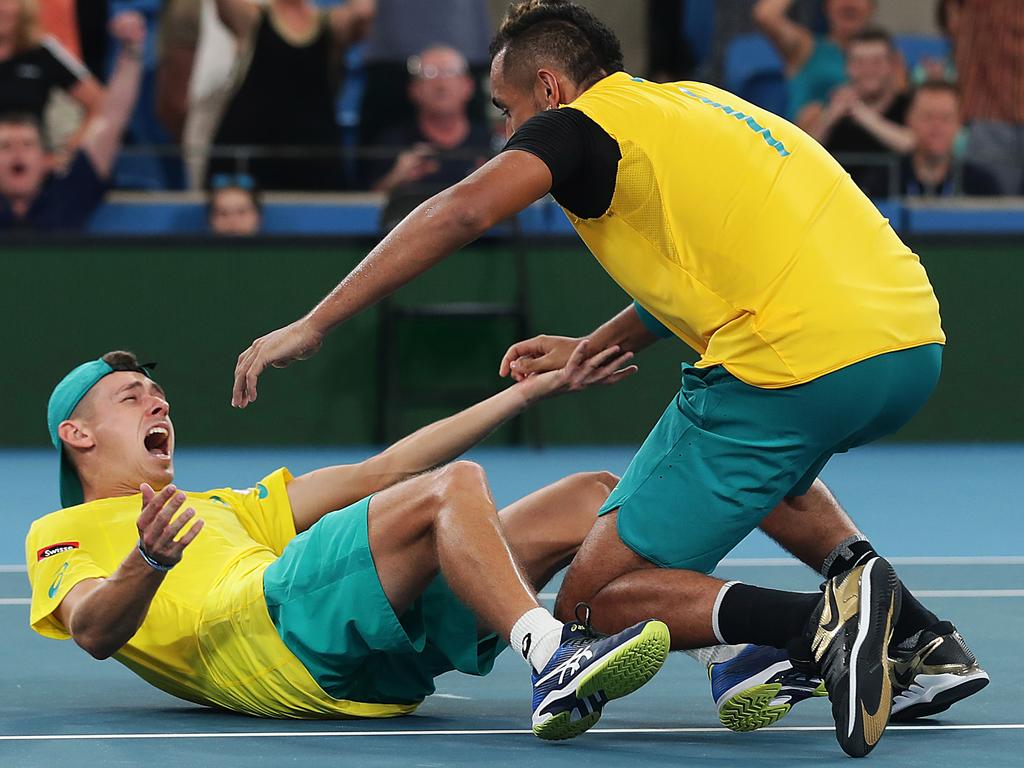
{"x":315,"y":494}
{"x":102,"y":136}
{"x":627,"y":331}
{"x":104,"y":614}
{"x":501,"y":188}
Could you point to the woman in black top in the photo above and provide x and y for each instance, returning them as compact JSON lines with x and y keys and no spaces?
{"x":32,"y":66}
{"x":286,"y":97}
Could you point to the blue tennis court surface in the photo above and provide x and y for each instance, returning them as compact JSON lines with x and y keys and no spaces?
{"x":949,"y":518}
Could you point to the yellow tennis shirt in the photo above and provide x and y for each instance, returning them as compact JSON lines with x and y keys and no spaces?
{"x":207,"y":637}
{"x":746,"y":239}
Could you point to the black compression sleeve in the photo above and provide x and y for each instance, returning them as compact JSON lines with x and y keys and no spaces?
{"x":555,"y":137}
{"x":582,"y":157}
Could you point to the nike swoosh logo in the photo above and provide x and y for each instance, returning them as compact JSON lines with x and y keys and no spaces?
{"x":56,"y":582}
{"x":875,"y":722}
{"x":832,"y":622}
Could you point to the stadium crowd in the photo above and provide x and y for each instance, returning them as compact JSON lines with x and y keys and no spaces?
{"x":239,"y":96}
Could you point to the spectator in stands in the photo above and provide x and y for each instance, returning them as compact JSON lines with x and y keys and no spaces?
{"x":403,"y":29}
{"x":931,"y":170}
{"x":286,"y":96}
{"x":33,"y":66}
{"x":441,"y":145}
{"x":32,"y":197}
{"x":990,"y":60}
{"x":869,"y":114}
{"x":815,"y":66}
{"x":235,"y":208}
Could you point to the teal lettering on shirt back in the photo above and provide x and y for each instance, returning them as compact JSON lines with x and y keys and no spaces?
{"x":744,"y":118}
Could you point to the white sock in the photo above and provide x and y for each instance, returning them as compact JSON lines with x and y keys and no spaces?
{"x":714,"y":611}
{"x":535,"y":637}
{"x":715,"y":654}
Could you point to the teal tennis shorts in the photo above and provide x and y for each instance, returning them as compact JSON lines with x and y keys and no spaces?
{"x":724,"y":453}
{"x":327,"y":602}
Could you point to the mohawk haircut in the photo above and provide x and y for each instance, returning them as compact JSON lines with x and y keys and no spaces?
{"x":558,"y":32}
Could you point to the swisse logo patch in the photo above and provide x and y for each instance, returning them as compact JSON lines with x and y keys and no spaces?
{"x":55,"y":549}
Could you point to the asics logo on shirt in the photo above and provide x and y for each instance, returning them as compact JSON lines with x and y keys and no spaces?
{"x":56,"y":582}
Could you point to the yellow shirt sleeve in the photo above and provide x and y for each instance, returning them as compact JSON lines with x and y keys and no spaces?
{"x":55,"y":563}
{"x":265,"y":510}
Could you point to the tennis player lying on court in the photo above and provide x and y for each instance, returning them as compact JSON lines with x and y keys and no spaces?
{"x":268,"y":601}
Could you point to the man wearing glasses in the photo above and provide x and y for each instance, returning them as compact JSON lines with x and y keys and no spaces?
{"x":441,"y":145}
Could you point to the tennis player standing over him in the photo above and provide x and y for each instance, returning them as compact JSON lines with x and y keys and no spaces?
{"x":818,"y":330}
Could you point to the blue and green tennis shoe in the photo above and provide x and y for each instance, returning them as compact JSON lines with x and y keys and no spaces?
{"x":758,"y":687}
{"x":930,"y":672}
{"x":588,"y":670}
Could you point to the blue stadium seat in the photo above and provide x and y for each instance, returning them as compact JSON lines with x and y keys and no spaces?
{"x":915,"y":48}
{"x":754,"y":71}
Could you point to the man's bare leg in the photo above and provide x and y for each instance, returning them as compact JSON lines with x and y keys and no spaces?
{"x":617,"y":583}
{"x":816,"y":529}
{"x":546,"y":528}
{"x":811,"y":526}
{"x":446,"y":522}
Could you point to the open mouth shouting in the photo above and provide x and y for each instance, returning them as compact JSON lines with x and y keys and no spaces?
{"x":158,"y":441}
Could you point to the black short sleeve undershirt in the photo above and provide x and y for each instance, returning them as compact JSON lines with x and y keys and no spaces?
{"x":582,"y":157}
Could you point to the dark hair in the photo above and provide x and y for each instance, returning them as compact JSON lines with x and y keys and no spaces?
{"x":873,"y":35}
{"x":21,"y":118}
{"x":121,"y":360}
{"x":240,"y":181}
{"x":559,"y":31}
{"x":935,"y":86}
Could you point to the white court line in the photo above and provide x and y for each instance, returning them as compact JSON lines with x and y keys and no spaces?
{"x":482,"y":732}
{"x":789,"y":562}
{"x":954,"y":593}
{"x":917,"y":593}
{"x":968,"y":592}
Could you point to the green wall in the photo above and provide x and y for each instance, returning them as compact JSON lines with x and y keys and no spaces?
{"x":194,"y":307}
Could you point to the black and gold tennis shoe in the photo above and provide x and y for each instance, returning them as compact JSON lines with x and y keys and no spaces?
{"x":849,"y":635}
{"x":931,"y":671}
